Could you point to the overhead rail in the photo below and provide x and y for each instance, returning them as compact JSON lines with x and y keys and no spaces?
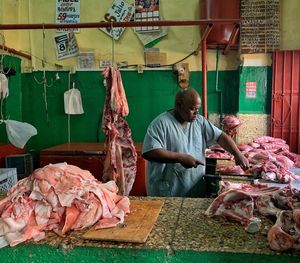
{"x":119,"y":24}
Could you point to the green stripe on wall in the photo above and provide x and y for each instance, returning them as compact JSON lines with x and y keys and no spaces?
{"x":148,"y":94}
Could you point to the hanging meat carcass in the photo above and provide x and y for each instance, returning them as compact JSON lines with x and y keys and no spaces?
{"x":230,"y":123}
{"x":121,"y":157}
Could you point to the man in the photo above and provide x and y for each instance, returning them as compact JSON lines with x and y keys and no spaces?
{"x":175,"y":144}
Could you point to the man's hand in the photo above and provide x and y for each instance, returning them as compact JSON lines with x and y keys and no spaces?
{"x":165,"y":156}
{"x":188,"y":161}
{"x":241,"y":160}
{"x":229,"y":145}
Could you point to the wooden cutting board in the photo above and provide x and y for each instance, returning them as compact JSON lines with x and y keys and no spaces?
{"x":137,"y":226}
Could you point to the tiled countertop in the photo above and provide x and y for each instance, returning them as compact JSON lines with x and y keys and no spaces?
{"x":182,"y":225}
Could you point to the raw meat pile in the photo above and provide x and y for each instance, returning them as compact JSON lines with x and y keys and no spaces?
{"x":121,"y":156}
{"x":58,"y":198}
{"x":239,"y":202}
{"x":270,"y":159}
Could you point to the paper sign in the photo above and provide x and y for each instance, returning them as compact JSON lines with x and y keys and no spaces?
{"x":86,"y":60}
{"x":146,"y":10}
{"x":250,"y":89}
{"x":67,"y":12}
{"x":65,"y":45}
{"x":120,"y":11}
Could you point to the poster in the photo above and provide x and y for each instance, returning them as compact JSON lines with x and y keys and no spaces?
{"x":86,"y":60}
{"x":120,"y":11}
{"x":250,"y":89}
{"x":65,"y":45}
{"x":67,"y":12}
{"x":146,"y":10}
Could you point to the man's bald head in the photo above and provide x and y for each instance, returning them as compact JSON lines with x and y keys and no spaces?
{"x":186,"y":96}
{"x":187,"y":105}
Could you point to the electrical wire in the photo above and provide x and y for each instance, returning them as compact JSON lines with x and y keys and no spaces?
{"x":160,"y":66}
{"x":44,"y":81}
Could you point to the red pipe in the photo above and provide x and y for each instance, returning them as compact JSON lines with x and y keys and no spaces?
{"x":204,"y":70}
{"x":13,"y":51}
{"x":119,"y":24}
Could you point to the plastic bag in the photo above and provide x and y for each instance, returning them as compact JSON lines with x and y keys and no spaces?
{"x":18,"y":133}
{"x":73,"y":103}
{"x":4,"y":92}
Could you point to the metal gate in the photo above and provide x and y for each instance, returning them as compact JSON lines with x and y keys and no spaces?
{"x":285,"y":113}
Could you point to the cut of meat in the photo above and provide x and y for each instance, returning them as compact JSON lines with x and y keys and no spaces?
{"x":235,"y":205}
{"x":238,"y":202}
{"x":121,"y":156}
{"x":231,"y":170}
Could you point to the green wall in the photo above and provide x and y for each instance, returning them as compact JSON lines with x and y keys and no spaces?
{"x":45,"y":253}
{"x":263,"y":78}
{"x":148,"y":94}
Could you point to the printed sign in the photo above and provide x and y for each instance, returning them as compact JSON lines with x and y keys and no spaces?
{"x":65,"y":45}
{"x":250,"y":89}
{"x":120,"y":11}
{"x":67,"y":12}
{"x":146,"y":10}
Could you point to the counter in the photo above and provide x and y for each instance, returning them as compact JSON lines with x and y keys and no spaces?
{"x":182,"y":233}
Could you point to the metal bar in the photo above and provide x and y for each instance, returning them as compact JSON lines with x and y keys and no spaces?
{"x":233,"y":35}
{"x":292,"y":110}
{"x":204,"y":70}
{"x":274,"y":83}
{"x":13,"y":51}
{"x":120,"y":24}
{"x":298,"y":107}
{"x":282,"y":94}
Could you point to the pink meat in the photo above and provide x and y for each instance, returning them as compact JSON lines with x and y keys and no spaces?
{"x":245,"y":147}
{"x":230,"y":122}
{"x":235,"y":202}
{"x":219,"y":155}
{"x":76,"y":200}
{"x":231,"y":170}
{"x":235,"y":205}
{"x":279,"y":240}
{"x":121,"y":157}
{"x":268,"y":139}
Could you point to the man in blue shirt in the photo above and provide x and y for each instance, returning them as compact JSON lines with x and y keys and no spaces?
{"x":175,"y":144}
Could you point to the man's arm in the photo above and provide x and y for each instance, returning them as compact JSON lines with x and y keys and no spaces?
{"x":165,"y":156}
{"x":229,"y":145}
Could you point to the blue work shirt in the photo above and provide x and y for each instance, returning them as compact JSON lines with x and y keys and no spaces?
{"x":172,"y":179}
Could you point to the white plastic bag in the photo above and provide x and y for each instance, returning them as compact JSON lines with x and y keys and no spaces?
{"x":4,"y":92}
{"x":18,"y":133}
{"x":73,"y":103}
